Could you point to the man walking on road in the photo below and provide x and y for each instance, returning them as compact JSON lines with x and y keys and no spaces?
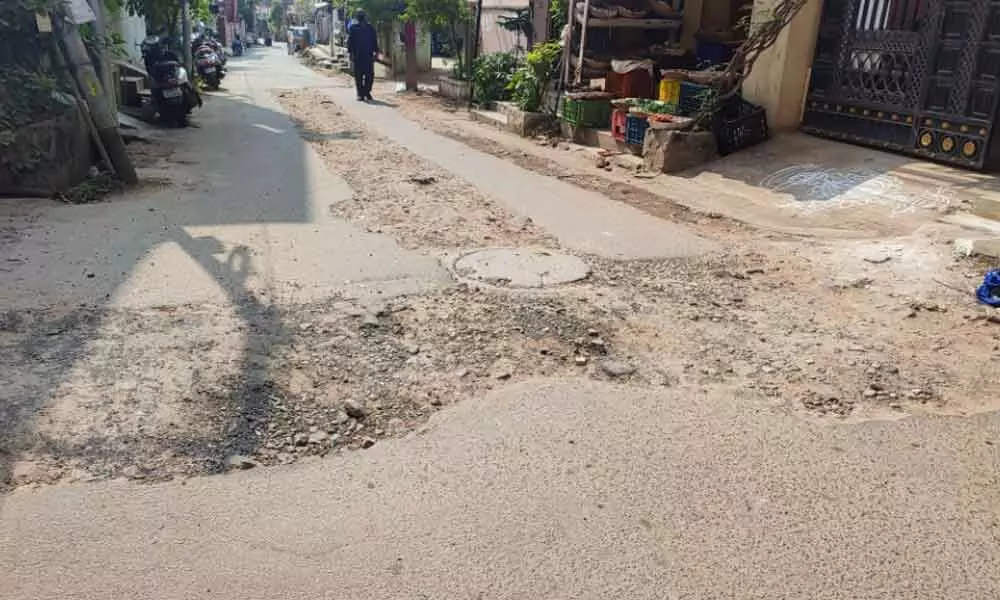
{"x":362,"y":46}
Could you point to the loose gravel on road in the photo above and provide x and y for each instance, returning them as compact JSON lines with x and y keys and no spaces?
{"x":184,"y":390}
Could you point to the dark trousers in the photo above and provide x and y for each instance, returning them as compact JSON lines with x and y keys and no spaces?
{"x":364,"y":77}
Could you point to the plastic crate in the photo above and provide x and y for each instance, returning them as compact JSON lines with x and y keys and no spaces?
{"x":635,"y":129}
{"x":586,"y":113}
{"x":739,"y":125}
{"x":670,"y":91}
{"x":711,"y":53}
{"x":618,"y":126}
{"x":692,"y":97}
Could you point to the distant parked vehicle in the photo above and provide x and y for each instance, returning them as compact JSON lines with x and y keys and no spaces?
{"x":298,"y":39}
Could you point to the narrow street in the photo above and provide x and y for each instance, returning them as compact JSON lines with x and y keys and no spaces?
{"x":334,"y":349}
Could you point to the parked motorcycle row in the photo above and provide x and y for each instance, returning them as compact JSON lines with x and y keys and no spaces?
{"x":173,"y":94}
{"x":210,"y":60}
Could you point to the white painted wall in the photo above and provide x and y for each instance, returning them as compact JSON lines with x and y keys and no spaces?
{"x":133,"y":31}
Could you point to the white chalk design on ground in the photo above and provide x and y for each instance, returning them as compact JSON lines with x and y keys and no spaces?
{"x":814,"y":188}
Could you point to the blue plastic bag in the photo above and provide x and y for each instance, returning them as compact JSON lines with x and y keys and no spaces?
{"x":989,"y":291}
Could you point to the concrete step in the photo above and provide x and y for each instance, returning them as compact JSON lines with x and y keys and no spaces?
{"x":490,"y":117}
{"x":508,"y":109}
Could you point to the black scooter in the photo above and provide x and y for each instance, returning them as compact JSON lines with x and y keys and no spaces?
{"x":173,"y":96}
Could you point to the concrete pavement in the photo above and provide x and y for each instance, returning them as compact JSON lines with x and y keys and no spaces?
{"x":248,"y":211}
{"x":548,"y":489}
{"x":580,"y":219}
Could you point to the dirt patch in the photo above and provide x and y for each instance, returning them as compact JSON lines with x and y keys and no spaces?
{"x":311,"y":380}
{"x":181,"y":391}
{"x":397,"y":192}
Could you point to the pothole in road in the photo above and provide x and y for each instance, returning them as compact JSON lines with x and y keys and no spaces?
{"x":520,"y":267}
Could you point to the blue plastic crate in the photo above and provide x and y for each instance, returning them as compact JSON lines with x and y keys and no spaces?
{"x":635,"y":129}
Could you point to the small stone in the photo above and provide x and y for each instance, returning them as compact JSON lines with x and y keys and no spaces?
{"x":869,"y":393}
{"x":580,"y":360}
{"x":598,"y":344}
{"x":355,"y":410}
{"x":340,"y":417}
{"x":28,"y":472}
{"x":768,"y":369}
{"x":503,"y":370}
{"x":318,"y":437}
{"x":367,"y":442}
{"x":878,"y":259}
{"x":621,"y":307}
{"x":133,"y":472}
{"x":369,"y":321}
{"x":617,"y":368}
{"x":300,"y":439}
{"x":240,"y":462}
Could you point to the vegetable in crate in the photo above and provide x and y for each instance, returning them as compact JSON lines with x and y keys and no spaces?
{"x":653,"y":107}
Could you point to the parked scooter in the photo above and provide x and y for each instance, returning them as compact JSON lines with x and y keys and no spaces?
{"x":173,"y":96}
{"x":209,"y":66}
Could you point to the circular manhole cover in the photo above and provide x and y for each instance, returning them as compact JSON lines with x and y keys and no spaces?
{"x":519,"y":267}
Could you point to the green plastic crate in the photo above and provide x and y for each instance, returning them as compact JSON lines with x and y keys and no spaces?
{"x":587,"y":113}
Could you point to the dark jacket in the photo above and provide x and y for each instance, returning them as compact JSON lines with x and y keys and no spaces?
{"x":362,"y":42}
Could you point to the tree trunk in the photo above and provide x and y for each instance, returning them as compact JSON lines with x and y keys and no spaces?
{"x":410,"y":39}
{"x":104,"y":115}
{"x":453,"y":28}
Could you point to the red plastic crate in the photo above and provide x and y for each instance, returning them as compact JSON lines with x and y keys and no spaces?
{"x":618,"y":117}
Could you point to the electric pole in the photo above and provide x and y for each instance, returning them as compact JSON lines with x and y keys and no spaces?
{"x":186,"y":36}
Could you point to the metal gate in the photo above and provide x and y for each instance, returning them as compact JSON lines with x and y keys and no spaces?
{"x":915,"y":76}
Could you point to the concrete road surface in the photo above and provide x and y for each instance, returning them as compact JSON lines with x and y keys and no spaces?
{"x":546,"y":489}
{"x":549,"y":490}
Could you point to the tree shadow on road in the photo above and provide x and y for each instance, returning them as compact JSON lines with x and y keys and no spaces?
{"x":57,"y":315}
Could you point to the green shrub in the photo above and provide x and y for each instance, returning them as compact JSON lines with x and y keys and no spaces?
{"x":491,"y":74}
{"x":528,"y":83}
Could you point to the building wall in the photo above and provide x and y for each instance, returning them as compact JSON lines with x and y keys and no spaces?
{"x":495,"y":38}
{"x":133,"y":32}
{"x":392,"y":46}
{"x":780,"y":76}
